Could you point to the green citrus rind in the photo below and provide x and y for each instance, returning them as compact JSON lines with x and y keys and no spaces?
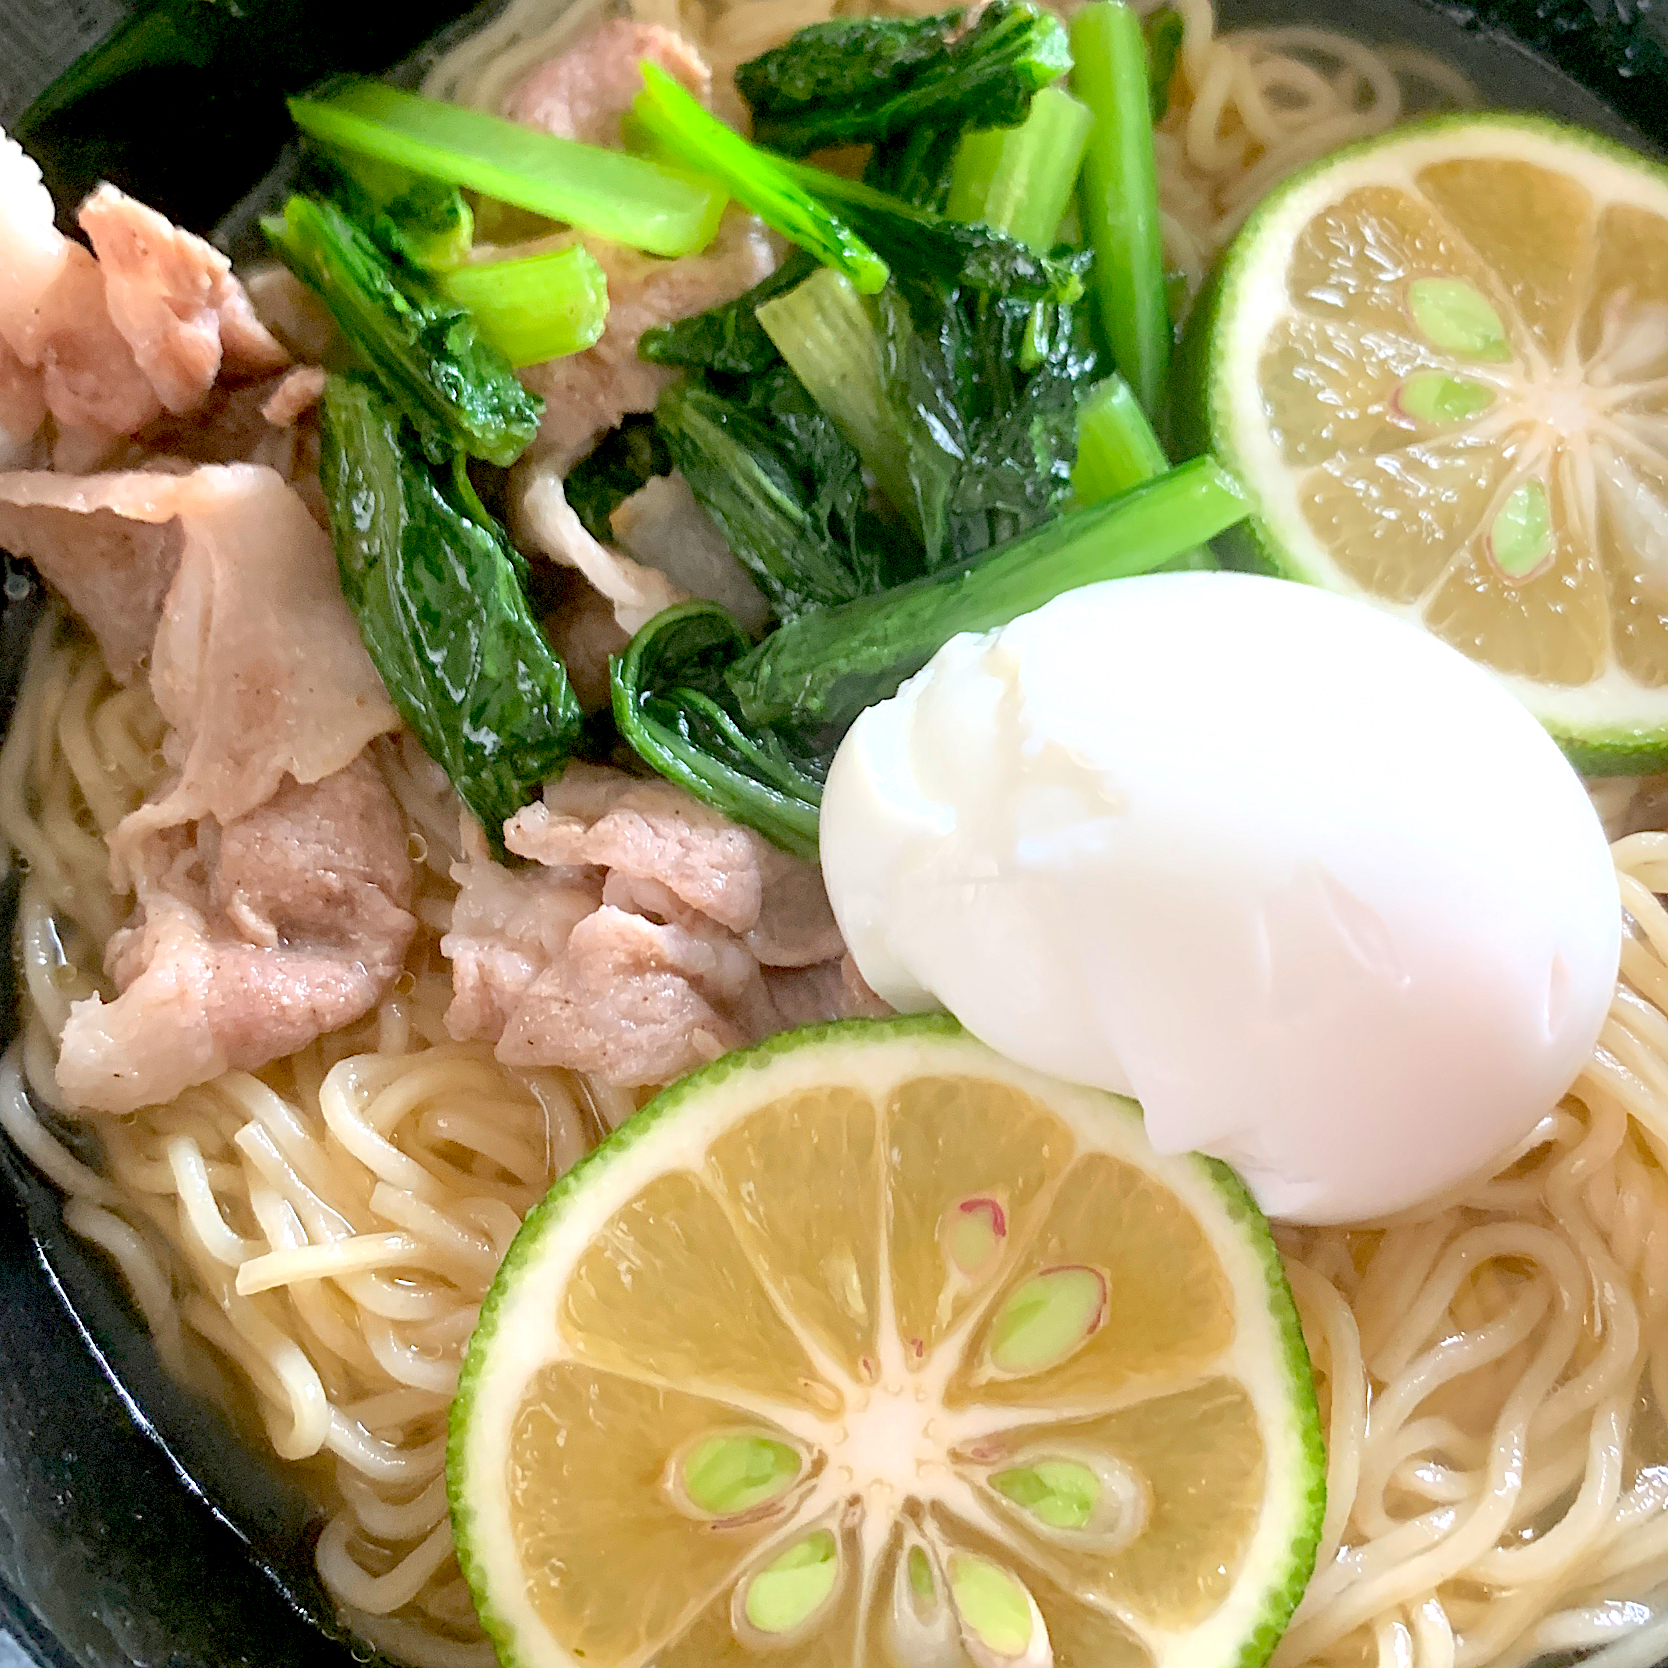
{"x":1240,"y":1236}
{"x":1624,"y":743}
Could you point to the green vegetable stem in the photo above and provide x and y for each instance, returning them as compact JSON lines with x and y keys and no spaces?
{"x":1119,"y":195}
{"x":605,"y":192}
{"x":437,"y":591}
{"x":762,"y":182}
{"x":458,"y":391}
{"x":819,"y":672}
{"x":1164,"y":30}
{"x":537,"y":307}
{"x":1020,"y":180}
{"x":824,"y":332}
{"x":1116,"y":446}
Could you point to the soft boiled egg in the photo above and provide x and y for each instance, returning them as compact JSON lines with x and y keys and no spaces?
{"x":1303,"y":880}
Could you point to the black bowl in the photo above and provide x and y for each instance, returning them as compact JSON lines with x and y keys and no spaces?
{"x":136,"y":1527}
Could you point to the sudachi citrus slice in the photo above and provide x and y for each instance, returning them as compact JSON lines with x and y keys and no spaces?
{"x":868,"y":1347}
{"x":1439,"y":362}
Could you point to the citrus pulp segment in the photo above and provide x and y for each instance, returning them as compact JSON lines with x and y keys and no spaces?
{"x":1439,"y":362}
{"x":868,"y":1347}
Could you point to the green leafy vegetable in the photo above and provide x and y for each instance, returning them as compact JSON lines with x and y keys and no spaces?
{"x":823,"y":329}
{"x":413,"y":218}
{"x":1119,"y":196}
{"x":626,"y":459}
{"x":1019,"y":180}
{"x":764,"y":183}
{"x":1116,"y":446}
{"x":537,"y":307}
{"x":1164,"y":31}
{"x":728,"y":338}
{"x":458,"y":391}
{"x":785,"y":488}
{"x":987,"y":409}
{"x":605,"y":192}
{"x":926,"y":247}
{"x":916,"y":166}
{"x":672,"y":706}
{"x":867,"y":80}
{"x":818,"y":672}
{"x":437,"y":591}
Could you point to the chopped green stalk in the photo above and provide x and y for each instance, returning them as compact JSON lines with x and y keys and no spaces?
{"x":1165,"y":31}
{"x":828,"y":339}
{"x":604,"y":192}
{"x":764,"y":183}
{"x":1116,"y":446}
{"x":458,"y":391}
{"x":1119,"y":195}
{"x":672,"y":707}
{"x":818,"y":672}
{"x":535,"y":308}
{"x":1020,"y":179}
{"x":436,"y":589}
{"x":930,"y":247}
{"x":866,"y":80}
{"x":416,"y":219}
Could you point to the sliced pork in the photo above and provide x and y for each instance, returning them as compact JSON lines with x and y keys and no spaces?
{"x":545,"y":521}
{"x":648,"y":935}
{"x":226,"y":581}
{"x":587,"y":393}
{"x":250,"y":939}
{"x":661,"y":526}
{"x":175,"y":300}
{"x":295,"y":395}
{"x":111,"y":342}
{"x":583,"y":92}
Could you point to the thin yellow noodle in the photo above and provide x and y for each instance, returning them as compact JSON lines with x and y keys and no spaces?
{"x":242,"y":1217}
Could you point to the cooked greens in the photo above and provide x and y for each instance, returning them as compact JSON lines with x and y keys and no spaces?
{"x":536,"y":307}
{"x":1119,"y":199}
{"x":729,"y":338}
{"x":886,"y":431}
{"x":1164,"y":31}
{"x":672,"y":705}
{"x":767,"y":185}
{"x":784,"y":486}
{"x":820,"y":671}
{"x":1116,"y":446}
{"x":600,"y":191}
{"x":458,"y":391}
{"x":625,"y":460}
{"x":415,"y":219}
{"x":437,"y":591}
{"x":868,"y":80}
{"x":1020,"y":180}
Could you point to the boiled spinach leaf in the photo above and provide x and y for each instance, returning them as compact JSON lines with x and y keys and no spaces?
{"x":866,"y":80}
{"x":672,"y":705}
{"x":437,"y":591}
{"x":458,"y":392}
